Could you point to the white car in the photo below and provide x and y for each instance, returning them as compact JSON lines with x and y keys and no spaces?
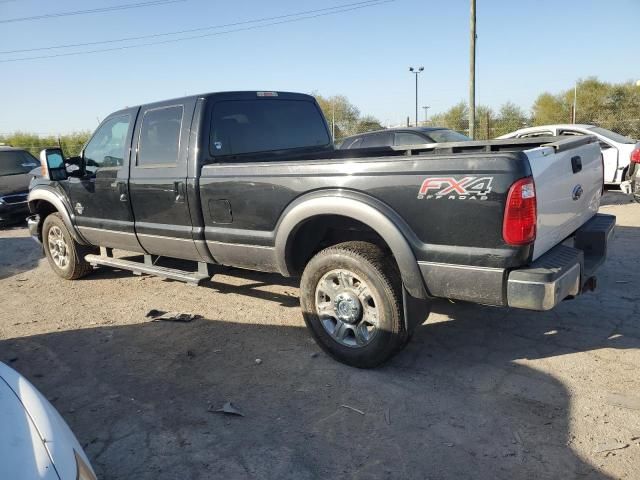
{"x":35,"y":442}
{"x":616,"y":149}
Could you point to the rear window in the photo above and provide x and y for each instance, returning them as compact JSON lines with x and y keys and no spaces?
{"x":252,"y":126}
{"x":444,"y":136}
{"x":15,"y":162}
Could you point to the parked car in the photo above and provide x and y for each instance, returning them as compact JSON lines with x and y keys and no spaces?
{"x":632,"y":186}
{"x":15,"y":165}
{"x":402,"y":137}
{"x":616,"y":149}
{"x":35,"y":442}
{"x":251,"y":180}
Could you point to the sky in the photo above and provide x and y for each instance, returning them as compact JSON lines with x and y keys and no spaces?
{"x":524,"y":47}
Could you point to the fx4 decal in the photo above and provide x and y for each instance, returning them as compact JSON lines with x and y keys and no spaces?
{"x":466,"y":188}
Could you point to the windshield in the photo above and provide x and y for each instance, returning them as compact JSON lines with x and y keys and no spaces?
{"x":444,"y":135}
{"x":15,"y":162}
{"x":613,"y":136}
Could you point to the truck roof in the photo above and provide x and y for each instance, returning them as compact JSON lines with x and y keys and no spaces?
{"x":236,"y":95}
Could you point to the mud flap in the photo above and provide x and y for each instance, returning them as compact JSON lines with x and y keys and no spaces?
{"x":415,"y":310}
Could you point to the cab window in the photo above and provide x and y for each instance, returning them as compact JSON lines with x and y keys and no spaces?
{"x":160,"y":136}
{"x":382,"y":139}
{"x":405,"y":138}
{"x":107,"y":146}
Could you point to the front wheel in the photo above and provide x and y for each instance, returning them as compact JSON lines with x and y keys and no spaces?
{"x":351,"y":302}
{"x":65,"y":255}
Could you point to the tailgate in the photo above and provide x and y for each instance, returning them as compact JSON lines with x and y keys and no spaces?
{"x":568,"y":177}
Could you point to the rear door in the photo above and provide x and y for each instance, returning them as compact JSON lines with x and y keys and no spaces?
{"x":158,"y":179}
{"x":568,"y":190}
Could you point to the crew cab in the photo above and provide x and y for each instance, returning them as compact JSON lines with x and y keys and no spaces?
{"x":252,"y":180}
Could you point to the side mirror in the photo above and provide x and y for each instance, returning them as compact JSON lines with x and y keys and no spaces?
{"x":52,"y":162}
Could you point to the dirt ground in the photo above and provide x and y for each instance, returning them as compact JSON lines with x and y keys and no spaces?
{"x":479,"y":393}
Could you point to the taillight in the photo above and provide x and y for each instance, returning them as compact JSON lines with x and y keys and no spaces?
{"x":520,"y":214}
{"x":635,"y":155}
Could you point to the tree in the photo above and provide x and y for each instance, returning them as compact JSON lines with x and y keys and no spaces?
{"x":549,"y":109}
{"x":510,"y":117}
{"x":344,"y":117}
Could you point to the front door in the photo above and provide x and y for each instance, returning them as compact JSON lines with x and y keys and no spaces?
{"x":99,"y":198}
{"x":158,"y":180}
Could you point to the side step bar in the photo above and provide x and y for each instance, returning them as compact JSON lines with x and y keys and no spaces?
{"x":192,"y":278}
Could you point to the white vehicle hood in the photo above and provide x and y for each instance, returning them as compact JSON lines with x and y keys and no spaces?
{"x":23,"y":455}
{"x":35,"y":441}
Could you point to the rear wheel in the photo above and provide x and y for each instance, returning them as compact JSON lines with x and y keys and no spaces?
{"x":65,"y":255}
{"x":351,"y":302}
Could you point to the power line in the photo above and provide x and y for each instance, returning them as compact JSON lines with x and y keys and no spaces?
{"x":193,"y":37}
{"x":192,"y":30}
{"x":125,"y":6}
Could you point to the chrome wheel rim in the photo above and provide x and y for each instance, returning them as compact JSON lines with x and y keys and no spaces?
{"x":347,"y":308}
{"x":58,"y":247}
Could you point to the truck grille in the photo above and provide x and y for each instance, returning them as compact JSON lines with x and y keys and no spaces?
{"x":13,"y":199}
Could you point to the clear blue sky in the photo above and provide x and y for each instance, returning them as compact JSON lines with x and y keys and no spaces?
{"x":524,"y":47}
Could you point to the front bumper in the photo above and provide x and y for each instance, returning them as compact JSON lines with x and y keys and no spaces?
{"x":33,"y":223}
{"x":13,"y":212}
{"x":565,"y":271}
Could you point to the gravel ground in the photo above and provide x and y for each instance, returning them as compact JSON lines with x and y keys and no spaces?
{"x":479,"y":393}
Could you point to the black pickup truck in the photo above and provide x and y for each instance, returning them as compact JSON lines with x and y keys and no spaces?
{"x":252,"y":180}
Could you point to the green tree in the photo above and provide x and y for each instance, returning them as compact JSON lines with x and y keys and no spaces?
{"x":344,"y":117}
{"x":549,"y":109}
{"x":71,"y":143}
{"x":510,"y":117}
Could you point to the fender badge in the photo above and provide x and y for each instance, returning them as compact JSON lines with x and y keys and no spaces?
{"x":79,"y":208}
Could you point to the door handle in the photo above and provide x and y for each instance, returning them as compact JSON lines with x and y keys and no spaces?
{"x":576,"y":164}
{"x":178,"y":190}
{"x":122,"y":190}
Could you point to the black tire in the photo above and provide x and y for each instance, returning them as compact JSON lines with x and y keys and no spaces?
{"x":368,"y":265}
{"x":75,"y":265}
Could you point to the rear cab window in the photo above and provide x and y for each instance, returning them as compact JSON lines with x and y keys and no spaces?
{"x":241,"y":127}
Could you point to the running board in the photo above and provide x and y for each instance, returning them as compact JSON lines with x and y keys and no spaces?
{"x":192,"y":278}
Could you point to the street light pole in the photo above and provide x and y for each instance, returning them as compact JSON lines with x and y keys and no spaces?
{"x":416,"y":71}
{"x":472,"y":73}
{"x":426,"y":113}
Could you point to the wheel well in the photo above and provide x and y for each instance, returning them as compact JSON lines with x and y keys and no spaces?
{"x":320,"y":232}
{"x":44,"y":209}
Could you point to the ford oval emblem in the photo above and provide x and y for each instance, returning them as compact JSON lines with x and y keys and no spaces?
{"x":577,"y":192}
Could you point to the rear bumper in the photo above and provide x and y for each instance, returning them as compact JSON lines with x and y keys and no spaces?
{"x":565,"y":271}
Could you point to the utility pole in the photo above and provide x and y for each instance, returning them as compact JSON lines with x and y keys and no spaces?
{"x":416,"y":71}
{"x":426,"y":113}
{"x":472,"y":73}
